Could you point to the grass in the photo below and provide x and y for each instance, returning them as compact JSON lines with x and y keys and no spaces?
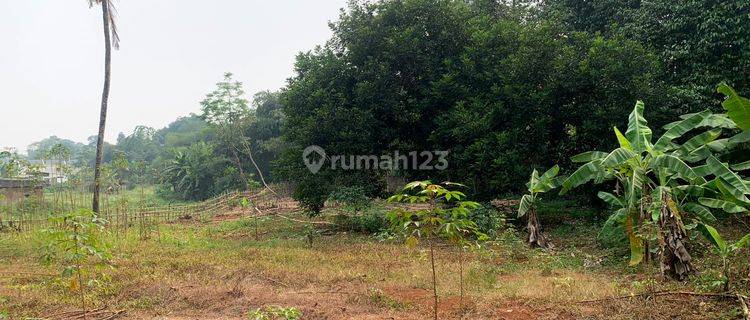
{"x":219,"y":269}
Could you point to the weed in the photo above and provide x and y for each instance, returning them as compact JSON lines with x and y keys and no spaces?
{"x":378,"y":297}
{"x":275,"y":312}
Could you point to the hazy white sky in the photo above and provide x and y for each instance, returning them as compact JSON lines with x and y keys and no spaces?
{"x":172,"y":52}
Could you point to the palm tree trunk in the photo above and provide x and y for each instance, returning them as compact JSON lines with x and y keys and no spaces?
{"x":103,"y":111}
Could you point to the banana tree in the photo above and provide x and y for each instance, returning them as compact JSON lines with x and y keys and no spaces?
{"x":536,"y":186}
{"x":723,"y":249}
{"x":657,"y":190}
{"x":738,"y":108}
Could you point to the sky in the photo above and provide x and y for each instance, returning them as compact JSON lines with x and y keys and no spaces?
{"x":172,"y":52}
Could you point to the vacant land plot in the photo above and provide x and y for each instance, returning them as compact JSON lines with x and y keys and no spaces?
{"x":224,"y":267}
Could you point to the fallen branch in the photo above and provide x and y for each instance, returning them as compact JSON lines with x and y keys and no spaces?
{"x":667,"y":293}
{"x":743,"y":304}
{"x":14,"y":274}
{"x":303,"y":221}
{"x":71,"y":313}
{"x":272,"y":280}
{"x":329,"y":292}
{"x":114,"y":315}
{"x":740,"y":298}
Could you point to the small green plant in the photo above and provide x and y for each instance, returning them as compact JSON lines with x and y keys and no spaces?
{"x":380,"y":298}
{"x":723,"y":249}
{"x":446,"y":216}
{"x":275,"y":312}
{"x":77,"y":245}
{"x":246,"y":203}
{"x":310,"y":234}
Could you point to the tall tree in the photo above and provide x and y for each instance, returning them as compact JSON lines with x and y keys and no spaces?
{"x":111,"y":39}
{"x":227,"y":112}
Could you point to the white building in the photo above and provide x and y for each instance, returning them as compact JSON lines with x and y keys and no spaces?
{"x":52,"y":170}
{"x":9,"y":149}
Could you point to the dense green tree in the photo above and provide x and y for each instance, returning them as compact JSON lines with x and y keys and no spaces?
{"x":80,"y":154}
{"x":183,"y":132}
{"x":265,"y":130}
{"x":503,"y":89}
{"x":701,"y":42}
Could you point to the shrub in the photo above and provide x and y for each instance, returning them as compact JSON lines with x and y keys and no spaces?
{"x":76,"y":244}
{"x":489,"y":220}
{"x":370,"y":222}
{"x":310,"y":197}
{"x":352,"y":198}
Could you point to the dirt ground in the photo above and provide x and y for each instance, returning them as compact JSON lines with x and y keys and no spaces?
{"x":224,"y":267}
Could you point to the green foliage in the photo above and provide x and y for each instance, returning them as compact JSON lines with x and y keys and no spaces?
{"x":275,"y":312}
{"x":149,"y":151}
{"x":723,"y":249}
{"x":434,"y":75}
{"x":194,"y":171}
{"x":658,"y":187}
{"x":225,"y":105}
{"x":77,"y":245}
{"x":310,"y":196}
{"x":489,"y":220}
{"x":352,"y":198}
{"x":699,"y":41}
{"x":371,"y":221}
{"x":56,"y":148}
{"x":537,"y":185}
{"x":447,"y":215}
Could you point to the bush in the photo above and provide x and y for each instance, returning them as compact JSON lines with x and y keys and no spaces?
{"x":370,"y":222}
{"x":310,"y":196}
{"x":352,"y":198}
{"x":489,"y":220}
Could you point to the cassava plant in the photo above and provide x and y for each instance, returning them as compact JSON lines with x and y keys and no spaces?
{"x":527,"y":207}
{"x":444,"y":216}
{"x":77,"y":245}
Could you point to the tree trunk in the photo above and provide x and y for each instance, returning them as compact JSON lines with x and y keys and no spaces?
{"x":675,"y":260}
{"x":260,"y":174}
{"x":536,"y":238}
{"x":434,"y":280}
{"x":239,"y":166}
{"x":103,"y":111}
{"x":461,"y":279}
{"x":643,"y":216}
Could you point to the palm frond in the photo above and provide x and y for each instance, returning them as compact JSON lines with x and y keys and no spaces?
{"x":111,"y":14}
